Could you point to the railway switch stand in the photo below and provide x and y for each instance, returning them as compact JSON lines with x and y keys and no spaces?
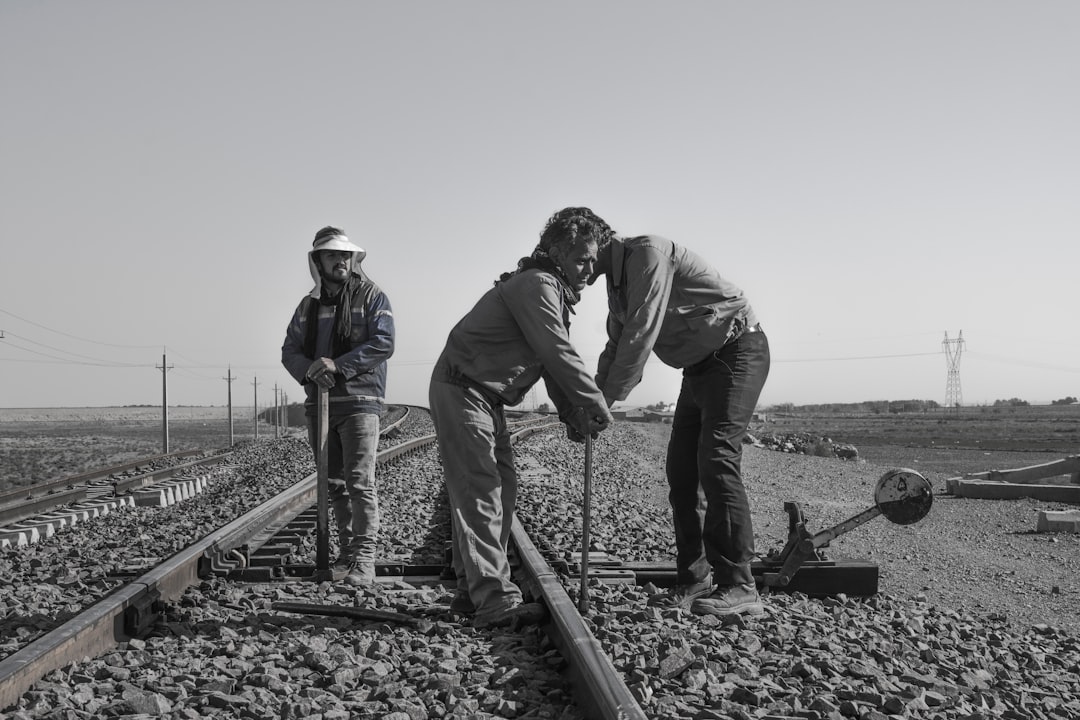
{"x":903,"y":496}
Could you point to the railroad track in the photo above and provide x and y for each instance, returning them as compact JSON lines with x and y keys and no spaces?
{"x":255,"y":547}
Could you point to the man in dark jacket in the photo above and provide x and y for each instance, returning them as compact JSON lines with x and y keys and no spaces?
{"x":665,"y":299}
{"x":339,"y":339}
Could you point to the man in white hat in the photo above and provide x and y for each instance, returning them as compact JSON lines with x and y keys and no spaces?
{"x":340,"y":338}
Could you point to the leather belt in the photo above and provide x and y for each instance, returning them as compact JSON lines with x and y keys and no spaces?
{"x":751,"y":329}
{"x":715,"y":354}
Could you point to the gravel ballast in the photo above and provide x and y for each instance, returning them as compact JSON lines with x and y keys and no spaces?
{"x":975,"y":616}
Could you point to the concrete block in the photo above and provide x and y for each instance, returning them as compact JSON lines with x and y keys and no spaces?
{"x":18,"y":538}
{"x":1058,"y":521}
{"x":59,"y":521}
{"x":990,"y":490}
{"x":39,"y":528}
{"x":151,"y":498}
{"x":33,"y":535}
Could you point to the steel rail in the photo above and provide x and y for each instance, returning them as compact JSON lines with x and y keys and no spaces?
{"x":86,"y":478}
{"x":599,"y":686}
{"x":394,"y":425}
{"x":110,"y":620}
{"x":18,"y":510}
{"x":106,"y":622}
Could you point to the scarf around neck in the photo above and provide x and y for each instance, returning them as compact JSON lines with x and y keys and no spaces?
{"x":342,"y":303}
{"x":540,"y":260}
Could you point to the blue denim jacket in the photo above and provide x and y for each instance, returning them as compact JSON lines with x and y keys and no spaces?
{"x":361,"y":378}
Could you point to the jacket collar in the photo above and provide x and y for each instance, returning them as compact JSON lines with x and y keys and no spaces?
{"x":618,"y":253}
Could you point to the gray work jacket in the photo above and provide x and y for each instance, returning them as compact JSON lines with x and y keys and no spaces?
{"x":513,"y":336}
{"x":665,"y":299}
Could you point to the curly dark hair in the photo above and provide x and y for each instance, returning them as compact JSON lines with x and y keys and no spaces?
{"x":572,"y":224}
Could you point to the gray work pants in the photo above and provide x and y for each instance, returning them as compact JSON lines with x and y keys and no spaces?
{"x":481,"y":484}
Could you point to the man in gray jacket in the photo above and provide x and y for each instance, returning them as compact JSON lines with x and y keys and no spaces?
{"x":339,"y":339}
{"x":665,"y":299}
{"x":516,"y":333}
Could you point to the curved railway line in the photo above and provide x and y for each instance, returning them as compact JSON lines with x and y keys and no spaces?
{"x":257,"y":545}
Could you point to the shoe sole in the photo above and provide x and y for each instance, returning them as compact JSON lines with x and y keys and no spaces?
{"x":686,"y":601}
{"x":747,"y":608}
{"x":527,"y":617}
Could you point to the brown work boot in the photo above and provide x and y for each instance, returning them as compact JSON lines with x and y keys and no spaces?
{"x":730,"y":600}
{"x":361,"y":574}
{"x":512,"y":616}
{"x":680,"y":596}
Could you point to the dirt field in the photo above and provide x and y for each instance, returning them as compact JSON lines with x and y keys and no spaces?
{"x":1046,"y":429}
{"x":39,"y":444}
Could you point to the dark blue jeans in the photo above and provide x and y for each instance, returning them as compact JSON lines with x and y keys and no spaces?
{"x":709,"y":506}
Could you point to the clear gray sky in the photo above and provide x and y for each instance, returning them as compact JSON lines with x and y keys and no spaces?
{"x":873,"y":174}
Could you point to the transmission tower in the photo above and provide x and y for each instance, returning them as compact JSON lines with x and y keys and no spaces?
{"x":953,"y":349}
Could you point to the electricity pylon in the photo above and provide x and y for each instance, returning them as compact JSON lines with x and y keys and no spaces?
{"x":953,"y":349}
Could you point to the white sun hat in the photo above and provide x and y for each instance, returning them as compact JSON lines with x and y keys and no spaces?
{"x":332,"y":241}
{"x":338,"y":242}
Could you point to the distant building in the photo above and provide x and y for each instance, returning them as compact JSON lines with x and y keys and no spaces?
{"x":660,"y":416}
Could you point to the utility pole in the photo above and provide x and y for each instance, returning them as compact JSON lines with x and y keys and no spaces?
{"x":164,"y":406}
{"x":276,"y":414}
{"x":229,"y":378}
{"x":256,"y":384}
{"x":954,"y":398}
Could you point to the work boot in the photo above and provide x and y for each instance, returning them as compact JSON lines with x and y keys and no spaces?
{"x":514,"y":615}
{"x":462,"y":604}
{"x":361,"y":574}
{"x":730,"y":600}
{"x":680,"y":596}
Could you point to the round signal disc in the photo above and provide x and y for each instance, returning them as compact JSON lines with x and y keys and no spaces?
{"x":903,"y":496}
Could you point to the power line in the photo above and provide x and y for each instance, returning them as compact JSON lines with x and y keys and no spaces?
{"x":75,"y":337}
{"x":68,"y":361}
{"x":60,"y":350}
{"x":1022,"y":363}
{"x":860,"y":357}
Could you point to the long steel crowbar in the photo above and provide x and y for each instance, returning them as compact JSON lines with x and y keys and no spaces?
{"x":322,"y":526}
{"x":583,"y":603}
